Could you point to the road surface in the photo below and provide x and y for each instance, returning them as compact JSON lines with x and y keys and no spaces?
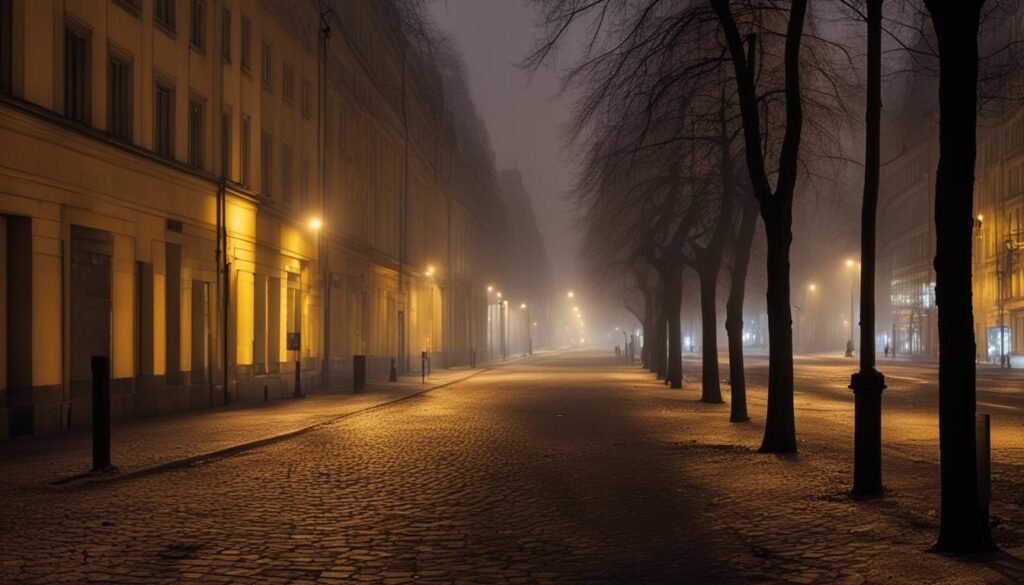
{"x":565,"y":468}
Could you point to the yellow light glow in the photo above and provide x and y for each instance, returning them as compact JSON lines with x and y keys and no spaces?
{"x":812,"y":287}
{"x":522,"y":306}
{"x":315,"y":223}
{"x":490,"y":288}
{"x":499,"y":294}
{"x":849,"y":262}
{"x":980,"y":217}
{"x":571,"y":294}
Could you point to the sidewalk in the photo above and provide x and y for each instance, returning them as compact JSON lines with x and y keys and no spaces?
{"x":144,"y":445}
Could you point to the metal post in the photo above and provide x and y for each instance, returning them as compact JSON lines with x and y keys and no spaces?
{"x":297,"y":393}
{"x":100,"y":413}
{"x":423,"y":366}
{"x":393,"y":376}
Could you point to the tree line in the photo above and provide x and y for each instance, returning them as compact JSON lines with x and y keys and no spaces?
{"x":697,"y":122}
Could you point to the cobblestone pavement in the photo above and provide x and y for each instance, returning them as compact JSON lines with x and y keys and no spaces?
{"x":147,"y":442}
{"x":561,"y":469}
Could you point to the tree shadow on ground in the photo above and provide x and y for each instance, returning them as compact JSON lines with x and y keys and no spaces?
{"x":1007,"y":565}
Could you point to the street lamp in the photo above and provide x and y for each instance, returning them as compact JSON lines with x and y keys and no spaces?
{"x":571,"y":294}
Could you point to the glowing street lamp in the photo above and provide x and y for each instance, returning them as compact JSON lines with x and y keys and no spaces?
{"x":315,"y":224}
{"x":490,"y":289}
{"x":571,"y":294}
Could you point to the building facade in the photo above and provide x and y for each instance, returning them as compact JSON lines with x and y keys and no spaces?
{"x":228,"y":198}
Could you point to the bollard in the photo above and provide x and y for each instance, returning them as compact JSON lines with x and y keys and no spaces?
{"x":298,"y":380}
{"x":984,"y":459}
{"x":472,"y":358}
{"x":393,"y":376}
{"x":100,"y":413}
{"x":423,"y":366}
{"x":359,"y":373}
{"x":266,"y":393}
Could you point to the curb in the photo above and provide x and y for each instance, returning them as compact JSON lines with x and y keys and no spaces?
{"x":102,"y":478}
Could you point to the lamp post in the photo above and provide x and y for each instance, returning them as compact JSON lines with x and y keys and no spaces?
{"x":316,"y":225}
{"x":529,"y":331}
{"x":850,"y":266}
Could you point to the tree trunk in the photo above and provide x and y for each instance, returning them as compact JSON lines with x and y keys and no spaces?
{"x":964,"y":523}
{"x":779,"y":425}
{"x":711,"y":390}
{"x":734,"y":311}
{"x":648,"y":326}
{"x":776,"y":206}
{"x":673,"y":304}
{"x":659,"y":355}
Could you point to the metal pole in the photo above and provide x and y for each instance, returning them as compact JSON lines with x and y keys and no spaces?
{"x":868,"y":383}
{"x":100,"y":413}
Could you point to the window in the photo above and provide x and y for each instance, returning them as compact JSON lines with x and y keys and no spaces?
{"x":267,"y":69}
{"x":288,"y":82}
{"x":6,"y":45}
{"x":164,"y":13}
{"x":163,"y":114}
{"x":246,"y":44}
{"x":245,"y":146}
{"x":130,"y":6}
{"x":76,"y":73}
{"x":197,"y":32}
{"x":196,"y":107}
{"x":225,"y":35}
{"x":225,"y":144}
{"x":265,"y":162}
{"x":307,"y":99}
{"x":286,"y":174}
{"x":119,"y":96}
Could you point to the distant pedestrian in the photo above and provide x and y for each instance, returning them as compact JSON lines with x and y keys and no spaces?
{"x":886,"y":350}
{"x":849,"y":348}
{"x":617,"y":350}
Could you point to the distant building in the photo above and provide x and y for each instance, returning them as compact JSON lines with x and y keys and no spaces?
{"x":526,"y":261}
{"x":907,"y":226}
{"x":187,"y":189}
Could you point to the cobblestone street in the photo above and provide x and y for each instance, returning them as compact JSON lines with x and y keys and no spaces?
{"x":563,"y":468}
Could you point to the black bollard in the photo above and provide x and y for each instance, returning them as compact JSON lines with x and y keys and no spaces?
{"x":100,"y":413}
{"x":393,"y":376}
{"x":423,"y":366}
{"x":298,"y":380}
{"x":359,"y":373}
